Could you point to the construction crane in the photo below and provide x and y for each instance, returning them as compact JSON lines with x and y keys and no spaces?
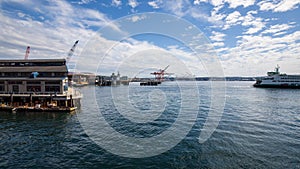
{"x":27,"y":53}
{"x":160,"y":74}
{"x":71,"y":52}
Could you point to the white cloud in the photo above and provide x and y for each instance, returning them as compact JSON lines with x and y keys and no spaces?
{"x":231,"y":3}
{"x":133,"y":3}
{"x":287,"y":5}
{"x":217,"y":2}
{"x":155,"y":4}
{"x":236,"y":3}
{"x":136,"y":18}
{"x":28,"y":3}
{"x":196,"y":2}
{"x":278,"y":6}
{"x":232,"y":19}
{"x":21,"y":15}
{"x":132,"y":58}
{"x":264,"y":52}
{"x":183,"y":8}
{"x":54,"y":36}
{"x":279,"y":33}
{"x":278,"y":29}
{"x":85,"y":1}
{"x":266,"y":5}
{"x":256,"y":24}
{"x":116,"y":3}
{"x":198,"y":14}
{"x":218,"y":44}
{"x":217,"y":36}
{"x":53,"y":39}
{"x":216,"y":15}
{"x":177,"y":7}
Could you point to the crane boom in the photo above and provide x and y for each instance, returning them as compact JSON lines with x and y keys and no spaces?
{"x":27,"y":53}
{"x":71,"y":52}
{"x":166,"y":68}
{"x":160,"y":74}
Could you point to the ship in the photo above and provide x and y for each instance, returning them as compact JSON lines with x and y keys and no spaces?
{"x":275,"y":79}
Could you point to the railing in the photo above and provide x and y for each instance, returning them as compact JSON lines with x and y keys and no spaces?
{"x":73,"y":92}
{"x":33,"y":93}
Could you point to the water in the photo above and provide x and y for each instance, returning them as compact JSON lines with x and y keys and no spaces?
{"x":259,"y":128}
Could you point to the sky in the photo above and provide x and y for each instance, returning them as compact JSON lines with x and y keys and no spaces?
{"x":135,"y":37}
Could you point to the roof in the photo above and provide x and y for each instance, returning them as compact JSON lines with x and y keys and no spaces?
{"x":34,"y":65}
{"x":62,"y":68}
{"x":34,"y":60}
{"x":32,"y":79}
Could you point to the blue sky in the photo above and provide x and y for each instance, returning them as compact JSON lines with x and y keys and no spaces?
{"x":249,"y":37}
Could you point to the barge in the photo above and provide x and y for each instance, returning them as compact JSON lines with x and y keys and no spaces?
{"x":150,"y":83}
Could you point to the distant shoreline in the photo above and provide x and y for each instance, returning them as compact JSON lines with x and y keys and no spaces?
{"x":200,"y":79}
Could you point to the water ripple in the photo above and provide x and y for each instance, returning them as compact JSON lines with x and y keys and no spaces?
{"x":259,"y":129}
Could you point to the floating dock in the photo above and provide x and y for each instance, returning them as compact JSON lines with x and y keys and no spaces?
{"x":37,"y":109}
{"x":150,"y":83}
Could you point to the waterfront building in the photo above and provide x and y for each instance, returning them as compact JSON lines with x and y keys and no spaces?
{"x":81,"y":79}
{"x":113,"y":80}
{"x":36,"y":82}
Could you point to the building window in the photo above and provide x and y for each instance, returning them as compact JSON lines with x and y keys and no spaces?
{"x":1,"y":88}
{"x":33,"y":88}
{"x":53,"y":82}
{"x":15,"y":88}
{"x":52,"y":89}
{"x":15,"y":82}
{"x":25,"y":74}
{"x":60,"y":74}
{"x":45,"y":74}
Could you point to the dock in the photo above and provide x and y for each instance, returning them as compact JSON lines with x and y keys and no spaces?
{"x":37,"y":85}
{"x":37,"y":109}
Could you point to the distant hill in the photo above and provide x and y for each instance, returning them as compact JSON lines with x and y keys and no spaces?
{"x":225,"y":78}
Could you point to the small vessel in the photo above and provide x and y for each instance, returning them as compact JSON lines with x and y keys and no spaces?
{"x":275,"y":79}
{"x":150,"y":83}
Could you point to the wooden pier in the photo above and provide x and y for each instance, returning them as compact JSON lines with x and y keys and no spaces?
{"x":36,"y":85}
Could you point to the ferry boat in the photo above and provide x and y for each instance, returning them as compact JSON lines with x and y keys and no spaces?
{"x":275,"y":79}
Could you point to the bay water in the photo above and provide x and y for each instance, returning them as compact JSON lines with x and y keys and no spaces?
{"x":258,"y":128}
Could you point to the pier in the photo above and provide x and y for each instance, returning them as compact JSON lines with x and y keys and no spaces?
{"x":36,"y":85}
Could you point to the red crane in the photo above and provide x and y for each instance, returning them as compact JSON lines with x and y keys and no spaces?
{"x":27,"y":53}
{"x":160,"y":74}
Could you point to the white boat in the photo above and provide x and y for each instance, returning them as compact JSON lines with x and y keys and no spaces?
{"x":275,"y":79}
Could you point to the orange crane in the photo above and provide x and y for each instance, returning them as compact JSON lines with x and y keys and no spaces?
{"x":160,"y":74}
{"x":27,"y":53}
{"x":71,"y":52}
